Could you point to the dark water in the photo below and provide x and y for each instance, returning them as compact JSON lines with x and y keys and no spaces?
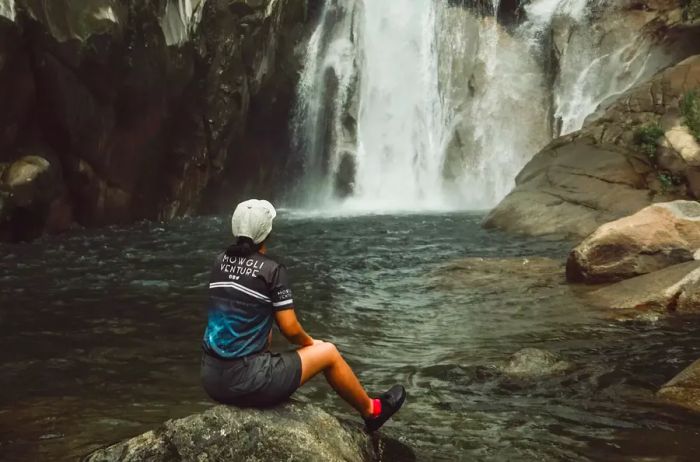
{"x":99,"y":340}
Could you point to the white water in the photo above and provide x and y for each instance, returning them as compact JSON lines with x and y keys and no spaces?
{"x":436,"y":107}
{"x":7,"y":9}
{"x":401,"y":124}
{"x":180,"y":19}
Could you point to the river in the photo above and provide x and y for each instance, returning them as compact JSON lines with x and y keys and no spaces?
{"x":100,"y":338}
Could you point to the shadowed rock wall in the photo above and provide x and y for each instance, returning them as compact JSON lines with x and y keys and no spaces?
{"x":141,"y":109}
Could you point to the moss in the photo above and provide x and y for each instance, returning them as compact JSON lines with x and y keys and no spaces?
{"x":690,"y":109}
{"x":647,"y":138}
{"x":691,"y":10}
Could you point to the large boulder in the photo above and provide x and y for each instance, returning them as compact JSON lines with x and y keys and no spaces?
{"x":658,"y":236}
{"x":684,"y":389}
{"x":602,"y":173}
{"x":291,"y":432}
{"x":672,"y":289}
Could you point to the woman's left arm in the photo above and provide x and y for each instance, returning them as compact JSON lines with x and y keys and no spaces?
{"x":289,"y":326}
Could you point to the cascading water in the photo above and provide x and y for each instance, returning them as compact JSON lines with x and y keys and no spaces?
{"x":430,"y":104}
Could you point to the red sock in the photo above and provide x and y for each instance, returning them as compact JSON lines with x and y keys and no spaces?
{"x":376,"y":407}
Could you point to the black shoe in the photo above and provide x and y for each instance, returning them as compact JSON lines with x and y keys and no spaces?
{"x":392,"y":401}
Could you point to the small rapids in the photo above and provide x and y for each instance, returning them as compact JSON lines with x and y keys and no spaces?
{"x":100,"y":339}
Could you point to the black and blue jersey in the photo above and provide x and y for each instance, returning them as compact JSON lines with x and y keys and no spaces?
{"x":244,"y":294}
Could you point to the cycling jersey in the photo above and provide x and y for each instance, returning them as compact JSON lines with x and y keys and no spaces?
{"x":244,"y":294}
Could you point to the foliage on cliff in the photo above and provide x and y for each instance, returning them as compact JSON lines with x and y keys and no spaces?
{"x":690,"y":109}
{"x":691,"y":10}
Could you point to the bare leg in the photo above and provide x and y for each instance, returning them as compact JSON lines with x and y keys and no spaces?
{"x":326,"y":357}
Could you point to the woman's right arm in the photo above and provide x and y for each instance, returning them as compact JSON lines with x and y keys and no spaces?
{"x":289,"y":326}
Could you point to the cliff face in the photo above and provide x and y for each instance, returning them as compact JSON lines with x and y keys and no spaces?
{"x":118,"y":110}
{"x":637,"y":148}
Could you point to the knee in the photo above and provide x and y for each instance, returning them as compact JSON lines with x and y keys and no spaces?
{"x":331,"y":350}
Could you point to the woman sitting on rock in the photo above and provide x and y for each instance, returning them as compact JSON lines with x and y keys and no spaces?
{"x":247,"y":291}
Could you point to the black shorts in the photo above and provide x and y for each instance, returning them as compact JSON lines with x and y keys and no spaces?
{"x":259,"y":380}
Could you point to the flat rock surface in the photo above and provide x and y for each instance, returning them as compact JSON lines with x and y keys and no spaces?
{"x":290,"y":432}
{"x":671,"y":289}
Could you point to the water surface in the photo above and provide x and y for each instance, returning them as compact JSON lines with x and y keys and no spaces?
{"x":100,"y":331}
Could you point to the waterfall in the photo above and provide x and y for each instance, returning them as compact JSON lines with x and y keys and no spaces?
{"x":434,"y":104}
{"x":180,"y":18}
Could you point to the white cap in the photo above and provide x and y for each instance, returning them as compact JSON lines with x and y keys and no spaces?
{"x":253,"y":219}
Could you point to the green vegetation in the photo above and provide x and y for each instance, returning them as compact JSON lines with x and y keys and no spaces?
{"x":691,"y":10}
{"x":669,"y":180}
{"x":647,"y":138}
{"x":690,"y":109}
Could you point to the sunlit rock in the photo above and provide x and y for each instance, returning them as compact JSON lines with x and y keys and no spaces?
{"x":294,"y":432}
{"x":684,"y":389}
{"x":534,"y":362}
{"x":672,"y":289}
{"x":658,"y":236}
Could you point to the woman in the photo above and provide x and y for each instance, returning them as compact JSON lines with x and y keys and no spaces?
{"x":247,"y":291}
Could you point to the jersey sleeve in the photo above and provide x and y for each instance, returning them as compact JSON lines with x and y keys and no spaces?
{"x":281,"y":294}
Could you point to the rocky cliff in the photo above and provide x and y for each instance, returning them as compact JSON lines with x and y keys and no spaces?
{"x":119,"y":110}
{"x":638,"y":151}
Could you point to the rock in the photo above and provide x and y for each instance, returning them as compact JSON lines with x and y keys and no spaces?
{"x":684,"y":389}
{"x":291,"y":432}
{"x":32,"y":197}
{"x":658,"y":236}
{"x":676,"y":288}
{"x":533,"y":362}
{"x":572,"y":187}
{"x":599,"y":174}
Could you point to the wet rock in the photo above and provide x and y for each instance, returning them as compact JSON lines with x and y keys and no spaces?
{"x":32,"y":197}
{"x":533,"y":362}
{"x":599,"y":174}
{"x":684,"y":389}
{"x":292,"y":432}
{"x":676,"y":288}
{"x":658,"y":236}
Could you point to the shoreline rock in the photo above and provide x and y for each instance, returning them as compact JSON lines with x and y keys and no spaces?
{"x":684,"y":389}
{"x":291,"y":432}
{"x":658,"y":236}
{"x":672,"y":289}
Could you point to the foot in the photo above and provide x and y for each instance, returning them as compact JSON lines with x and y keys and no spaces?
{"x":391,"y":401}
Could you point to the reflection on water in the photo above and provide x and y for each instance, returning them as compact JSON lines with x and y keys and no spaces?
{"x":99,"y":339}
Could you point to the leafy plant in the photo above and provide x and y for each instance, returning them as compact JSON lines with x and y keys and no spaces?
{"x":668,"y":180}
{"x":647,"y":139}
{"x":690,"y":109}
{"x":691,"y":10}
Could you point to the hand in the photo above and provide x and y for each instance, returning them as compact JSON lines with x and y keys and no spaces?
{"x":316,"y":342}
